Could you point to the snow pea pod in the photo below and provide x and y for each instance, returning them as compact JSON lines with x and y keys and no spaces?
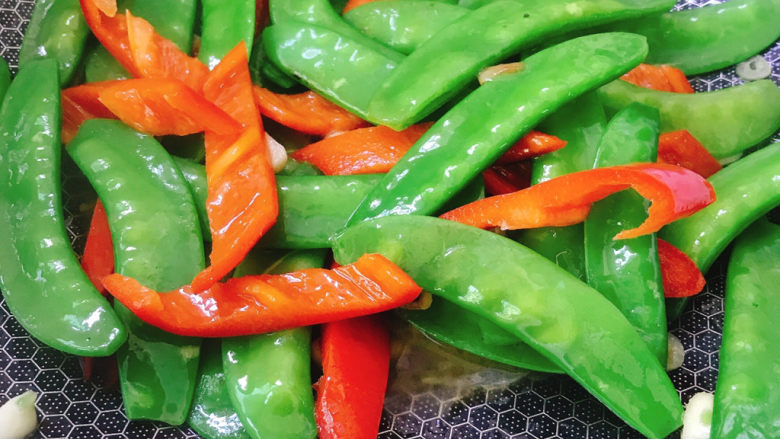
{"x":627,"y":272}
{"x":581,"y":123}
{"x":212,"y":414}
{"x":100,"y":65}
{"x":747,"y":393}
{"x":747,"y":189}
{"x":452,"y":58}
{"x":272,"y":401}
{"x":322,"y":14}
{"x":477,"y":130}
{"x":534,"y":299}
{"x":225,"y":24}
{"x":465,"y":330}
{"x":708,"y":38}
{"x":726,"y":121}
{"x":344,"y":70}
{"x":57,"y":29}
{"x":157,"y":240}
{"x":41,"y":279}
{"x":195,"y":175}
{"x":401,"y":24}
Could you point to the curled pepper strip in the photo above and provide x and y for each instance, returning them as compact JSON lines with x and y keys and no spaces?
{"x":265,"y":303}
{"x":681,"y":148}
{"x":531,"y":145}
{"x":674,"y":192}
{"x":98,"y":257}
{"x":306,"y":112}
{"x":680,"y":275}
{"x":661,"y":78}
{"x":355,"y":367}
{"x":242,"y":203}
{"x":80,"y":104}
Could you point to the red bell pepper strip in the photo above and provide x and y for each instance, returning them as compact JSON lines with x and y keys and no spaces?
{"x":361,"y":151}
{"x":661,"y":78}
{"x":531,"y":145}
{"x":504,"y":179}
{"x":680,"y":148}
{"x":674,"y":192}
{"x":266,"y":303}
{"x":242,"y":202}
{"x":165,"y":107}
{"x":80,"y":104}
{"x":306,"y":112}
{"x":352,"y":4}
{"x":98,"y":258}
{"x":680,"y":275}
{"x":140,"y":50}
{"x":355,"y":367}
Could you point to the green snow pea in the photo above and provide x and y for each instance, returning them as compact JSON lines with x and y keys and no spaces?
{"x":401,"y":24}
{"x":533,"y":299}
{"x":627,"y":272}
{"x":322,"y":14}
{"x":273,"y":401}
{"x":708,"y":38}
{"x":452,"y":58}
{"x":465,"y":330}
{"x":477,"y":130}
{"x":57,"y":29}
{"x":5,"y":78}
{"x":100,"y":65}
{"x":195,"y":175}
{"x":225,"y":24}
{"x":212,"y":414}
{"x":40,"y":277}
{"x":157,"y":241}
{"x":266,"y":73}
{"x":726,"y":121}
{"x":581,"y":123}
{"x":344,"y":70}
{"x":747,"y":393}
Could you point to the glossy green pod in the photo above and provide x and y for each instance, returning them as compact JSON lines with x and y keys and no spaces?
{"x":726,"y":121}
{"x":225,"y":24}
{"x":534,"y":299}
{"x":40,"y":277}
{"x":157,"y":241}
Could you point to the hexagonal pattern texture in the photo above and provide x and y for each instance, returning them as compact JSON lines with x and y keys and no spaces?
{"x":468,"y":401}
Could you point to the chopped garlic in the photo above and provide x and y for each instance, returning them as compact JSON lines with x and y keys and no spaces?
{"x":697,"y":419}
{"x":17,"y":416}
{"x":754,"y":69}
{"x":276,"y":153}
{"x":675,"y":353}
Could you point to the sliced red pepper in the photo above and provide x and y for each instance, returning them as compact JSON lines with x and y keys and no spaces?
{"x":680,"y":275}
{"x":531,"y":145}
{"x":504,"y":179}
{"x":355,"y":367}
{"x":242,"y":202}
{"x":352,"y":4}
{"x":165,"y":107}
{"x":80,"y":104}
{"x":681,"y":148}
{"x":306,"y":112}
{"x":141,"y":51}
{"x":661,"y":78}
{"x":98,"y":258}
{"x":265,"y":303}
{"x":674,"y":192}
{"x":361,"y":151}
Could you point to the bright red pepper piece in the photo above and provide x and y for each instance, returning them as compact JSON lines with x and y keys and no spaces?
{"x":674,"y":192}
{"x":80,"y":104}
{"x":661,"y":78}
{"x":265,"y":303}
{"x":355,"y":366}
{"x":680,"y":148}
{"x":504,"y":179}
{"x":98,"y":258}
{"x":140,"y":50}
{"x":165,"y":107}
{"x":531,"y":145}
{"x":361,"y":151}
{"x":242,"y":202}
{"x":306,"y":112}
{"x":680,"y":275}
{"x":352,"y":4}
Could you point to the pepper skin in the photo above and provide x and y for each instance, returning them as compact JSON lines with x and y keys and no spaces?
{"x":703,"y":39}
{"x":225,"y":24}
{"x":40,"y":277}
{"x":481,"y":127}
{"x":440,"y":68}
{"x":157,"y":240}
{"x":273,"y":402}
{"x":581,"y":123}
{"x":725,"y":121}
{"x":57,"y":29}
{"x":628,"y":272}
{"x":747,"y":393}
{"x":551,"y":310}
